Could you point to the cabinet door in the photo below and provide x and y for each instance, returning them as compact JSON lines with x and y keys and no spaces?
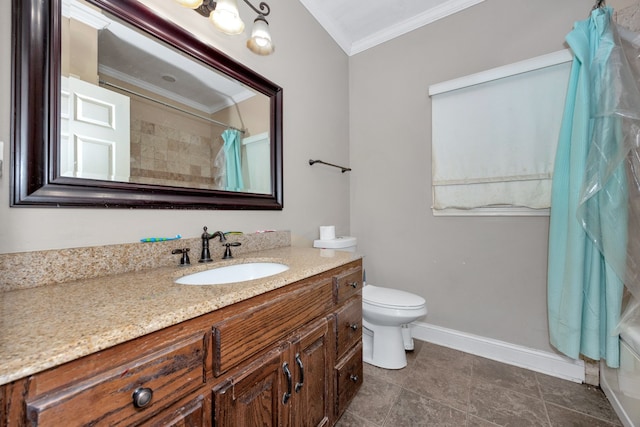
{"x":253,"y":397}
{"x":190,"y":412}
{"x":312,"y":360}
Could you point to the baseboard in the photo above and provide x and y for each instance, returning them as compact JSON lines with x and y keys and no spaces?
{"x":501,"y":351}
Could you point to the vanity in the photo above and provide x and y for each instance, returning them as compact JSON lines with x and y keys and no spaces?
{"x":143,"y":350}
{"x":133,"y":347}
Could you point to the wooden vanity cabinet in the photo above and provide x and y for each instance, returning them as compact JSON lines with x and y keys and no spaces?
{"x":347,"y":293}
{"x":289,"y":357}
{"x":290,"y":386}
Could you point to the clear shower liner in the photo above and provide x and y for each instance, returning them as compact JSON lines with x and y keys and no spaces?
{"x":609,"y":208}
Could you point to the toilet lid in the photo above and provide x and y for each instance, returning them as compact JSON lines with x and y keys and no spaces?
{"x":385,"y":297}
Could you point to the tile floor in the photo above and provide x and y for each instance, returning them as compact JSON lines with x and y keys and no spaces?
{"x":445,"y":387}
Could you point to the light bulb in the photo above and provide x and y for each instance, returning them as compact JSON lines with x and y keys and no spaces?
{"x":191,"y":4}
{"x":226,"y":17}
{"x":260,"y":41}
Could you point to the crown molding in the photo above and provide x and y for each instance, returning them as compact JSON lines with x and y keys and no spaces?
{"x":352,"y":47}
{"x":84,"y":14}
{"x":413,"y":23}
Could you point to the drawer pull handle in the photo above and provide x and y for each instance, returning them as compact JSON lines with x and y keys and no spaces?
{"x":354,"y":326}
{"x":354,"y":378}
{"x":353,"y":284}
{"x":287,"y":373}
{"x":301,"y":367}
{"x":142,"y":397}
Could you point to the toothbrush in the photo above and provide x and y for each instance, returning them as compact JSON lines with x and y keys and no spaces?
{"x":159,"y":239}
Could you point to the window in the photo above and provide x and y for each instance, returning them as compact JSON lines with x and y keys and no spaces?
{"x":495,"y":135}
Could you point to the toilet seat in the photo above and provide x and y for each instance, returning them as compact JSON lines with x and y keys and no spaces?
{"x":391,"y":298}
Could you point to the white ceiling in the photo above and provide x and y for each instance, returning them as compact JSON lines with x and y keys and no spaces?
{"x":357,"y":25}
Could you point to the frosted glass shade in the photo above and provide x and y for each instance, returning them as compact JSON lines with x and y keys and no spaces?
{"x":192,"y":4}
{"x":260,"y":41}
{"x":226,"y":17}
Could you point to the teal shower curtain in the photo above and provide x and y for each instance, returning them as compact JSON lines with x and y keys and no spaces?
{"x":233,"y":159}
{"x":589,"y":201}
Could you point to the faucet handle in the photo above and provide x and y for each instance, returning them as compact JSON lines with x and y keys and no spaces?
{"x":185,"y":255}
{"x":227,"y":252}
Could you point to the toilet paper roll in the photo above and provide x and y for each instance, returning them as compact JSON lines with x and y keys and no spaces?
{"x":327,"y":232}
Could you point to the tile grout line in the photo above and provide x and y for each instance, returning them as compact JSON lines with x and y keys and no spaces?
{"x":567,"y":408}
{"x":612,"y":423}
{"x":395,"y":402}
{"x":471,"y":370}
{"x":544,"y":402}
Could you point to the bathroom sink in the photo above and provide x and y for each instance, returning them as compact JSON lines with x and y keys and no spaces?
{"x":233,"y":273}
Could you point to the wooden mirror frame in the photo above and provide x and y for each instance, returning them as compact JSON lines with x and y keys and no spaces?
{"x":35,"y":121}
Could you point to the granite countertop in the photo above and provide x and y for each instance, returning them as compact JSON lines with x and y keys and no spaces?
{"x":47,"y":326}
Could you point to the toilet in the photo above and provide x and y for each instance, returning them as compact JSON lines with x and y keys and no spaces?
{"x":386,"y":314}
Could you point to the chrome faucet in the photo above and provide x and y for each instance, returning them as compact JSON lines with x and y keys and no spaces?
{"x":205,"y":256}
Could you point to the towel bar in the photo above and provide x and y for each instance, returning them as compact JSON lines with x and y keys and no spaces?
{"x":312,"y":162}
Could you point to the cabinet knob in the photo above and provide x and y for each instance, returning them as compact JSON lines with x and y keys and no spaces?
{"x":354,"y":326}
{"x":353,"y":284}
{"x":142,"y":397}
{"x":354,"y":378}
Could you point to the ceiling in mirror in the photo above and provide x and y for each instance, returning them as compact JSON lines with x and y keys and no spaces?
{"x":126,"y":53}
{"x":130,"y":56}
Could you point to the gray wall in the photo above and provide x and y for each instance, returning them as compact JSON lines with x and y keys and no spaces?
{"x":481,"y":275}
{"x":313,"y":71}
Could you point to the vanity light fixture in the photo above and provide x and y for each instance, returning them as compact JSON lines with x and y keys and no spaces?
{"x":224,"y":15}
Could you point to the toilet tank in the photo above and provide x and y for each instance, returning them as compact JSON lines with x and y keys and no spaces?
{"x":344,"y":243}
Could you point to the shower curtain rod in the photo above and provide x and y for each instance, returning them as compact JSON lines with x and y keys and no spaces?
{"x":105,"y":83}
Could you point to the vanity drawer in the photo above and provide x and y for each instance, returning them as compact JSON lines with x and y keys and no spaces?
{"x":244,"y":335}
{"x":108,"y":398}
{"x":347,"y":284}
{"x":348,"y":325}
{"x":348,"y":378}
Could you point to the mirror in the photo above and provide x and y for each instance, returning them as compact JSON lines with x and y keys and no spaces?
{"x":151,"y":162}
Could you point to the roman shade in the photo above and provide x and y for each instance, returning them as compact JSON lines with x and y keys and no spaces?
{"x":494,"y":136}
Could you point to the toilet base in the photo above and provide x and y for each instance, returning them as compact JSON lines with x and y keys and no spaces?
{"x":387,"y":350}
{"x":406,"y":337}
